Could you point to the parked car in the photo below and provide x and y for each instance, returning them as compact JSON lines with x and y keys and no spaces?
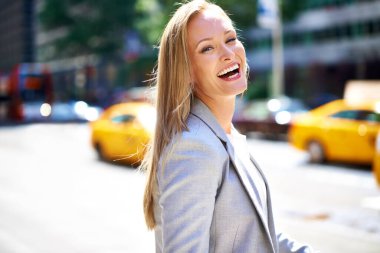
{"x":270,"y":117}
{"x":74,"y":111}
{"x":338,"y":131}
{"x":123,"y":131}
{"x":376,"y":160}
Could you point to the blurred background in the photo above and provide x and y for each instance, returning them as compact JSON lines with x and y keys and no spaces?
{"x":75,"y":118}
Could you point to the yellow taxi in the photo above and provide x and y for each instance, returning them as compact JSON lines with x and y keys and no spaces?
{"x":376,"y":161}
{"x":338,"y":131}
{"x":122,"y":132}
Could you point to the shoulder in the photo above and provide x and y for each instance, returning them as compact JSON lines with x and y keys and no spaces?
{"x":195,"y":152}
{"x":200,"y":138}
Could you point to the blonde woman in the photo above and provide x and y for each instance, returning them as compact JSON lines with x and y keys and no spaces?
{"x":204,"y":192}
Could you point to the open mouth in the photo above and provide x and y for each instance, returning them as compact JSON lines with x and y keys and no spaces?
{"x":230,"y":73}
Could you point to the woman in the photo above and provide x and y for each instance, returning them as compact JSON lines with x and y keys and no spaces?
{"x":204,"y":192}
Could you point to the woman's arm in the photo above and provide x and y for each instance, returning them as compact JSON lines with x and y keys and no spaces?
{"x":188,"y":184}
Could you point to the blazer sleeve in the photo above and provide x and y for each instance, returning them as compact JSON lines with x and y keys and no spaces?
{"x":287,"y":245}
{"x":188,"y":183}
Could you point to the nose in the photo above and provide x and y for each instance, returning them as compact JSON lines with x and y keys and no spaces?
{"x":227,"y":53}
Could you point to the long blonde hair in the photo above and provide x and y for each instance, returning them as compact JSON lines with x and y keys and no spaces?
{"x":173,"y":93}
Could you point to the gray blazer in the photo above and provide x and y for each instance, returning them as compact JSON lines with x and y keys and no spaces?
{"x":204,"y":200}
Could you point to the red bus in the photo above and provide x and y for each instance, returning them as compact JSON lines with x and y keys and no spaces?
{"x":26,"y":93}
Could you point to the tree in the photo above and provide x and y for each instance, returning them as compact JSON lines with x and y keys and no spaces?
{"x":99,"y":26}
{"x":291,"y":8}
{"x":154,"y":14}
{"x":93,"y":26}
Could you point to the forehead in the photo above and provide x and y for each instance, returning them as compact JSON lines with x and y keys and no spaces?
{"x":208,"y":22}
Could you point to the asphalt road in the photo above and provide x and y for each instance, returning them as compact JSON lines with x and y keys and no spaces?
{"x":330,"y":207}
{"x":55,"y":196}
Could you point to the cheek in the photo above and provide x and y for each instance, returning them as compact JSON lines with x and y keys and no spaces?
{"x":203,"y":66}
{"x":240,"y":51}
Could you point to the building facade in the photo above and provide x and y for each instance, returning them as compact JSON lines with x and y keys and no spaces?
{"x":329,"y":43}
{"x":16,"y":33}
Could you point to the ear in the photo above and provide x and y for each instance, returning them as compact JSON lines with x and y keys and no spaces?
{"x":247,"y":70}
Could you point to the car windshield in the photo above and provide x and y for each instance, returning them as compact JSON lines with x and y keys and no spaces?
{"x":369,"y":116}
{"x":348,"y":114}
{"x":366,"y":115}
{"x":124,"y":118}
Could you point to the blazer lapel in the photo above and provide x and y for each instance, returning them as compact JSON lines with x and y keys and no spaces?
{"x":247,"y":185}
{"x":269,"y":202}
{"x":201,"y":111}
{"x":249,"y":188}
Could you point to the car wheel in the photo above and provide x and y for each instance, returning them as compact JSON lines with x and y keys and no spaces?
{"x":316,"y":152}
{"x":99,"y":151}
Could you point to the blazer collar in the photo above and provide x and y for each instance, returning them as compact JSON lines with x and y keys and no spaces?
{"x":200,"y":110}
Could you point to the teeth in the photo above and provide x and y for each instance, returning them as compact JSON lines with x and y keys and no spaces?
{"x":225,"y":71}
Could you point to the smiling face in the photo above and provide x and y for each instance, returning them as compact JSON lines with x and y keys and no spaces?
{"x":216,"y":55}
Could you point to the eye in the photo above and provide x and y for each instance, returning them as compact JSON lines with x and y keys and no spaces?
{"x":233,"y":39}
{"x":206,"y":49}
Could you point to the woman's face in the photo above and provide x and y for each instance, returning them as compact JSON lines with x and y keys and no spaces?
{"x":217,"y":57}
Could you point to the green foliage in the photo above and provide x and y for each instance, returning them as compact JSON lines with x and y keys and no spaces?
{"x":54,"y":14}
{"x":257,"y":89}
{"x":150,"y":19}
{"x":99,"y":26}
{"x":242,"y":12}
{"x":291,"y":8}
{"x":152,"y":15}
{"x":94,"y":26}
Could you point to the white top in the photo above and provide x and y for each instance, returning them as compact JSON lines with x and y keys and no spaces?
{"x":240,"y":145}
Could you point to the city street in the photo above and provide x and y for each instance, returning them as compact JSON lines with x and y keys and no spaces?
{"x":57,"y":197}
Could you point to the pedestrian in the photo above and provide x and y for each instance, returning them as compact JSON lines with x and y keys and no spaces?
{"x":204,"y":191}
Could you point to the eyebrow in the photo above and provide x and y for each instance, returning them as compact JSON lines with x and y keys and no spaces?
{"x":206,"y":39}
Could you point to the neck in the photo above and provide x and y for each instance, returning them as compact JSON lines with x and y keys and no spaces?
{"x":223,"y":110}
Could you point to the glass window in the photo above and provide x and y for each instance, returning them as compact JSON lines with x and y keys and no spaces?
{"x":288,"y":39}
{"x":297,"y":38}
{"x":371,"y":27}
{"x":356,"y":30}
{"x":349,"y":114}
{"x":125,"y":118}
{"x":376,"y":26}
{"x":366,"y":115}
{"x":369,"y":116}
{"x":308,"y":38}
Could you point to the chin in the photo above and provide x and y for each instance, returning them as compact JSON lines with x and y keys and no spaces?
{"x":241,"y":87}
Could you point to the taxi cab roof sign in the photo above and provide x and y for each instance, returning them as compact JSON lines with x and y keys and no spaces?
{"x":357,"y":91}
